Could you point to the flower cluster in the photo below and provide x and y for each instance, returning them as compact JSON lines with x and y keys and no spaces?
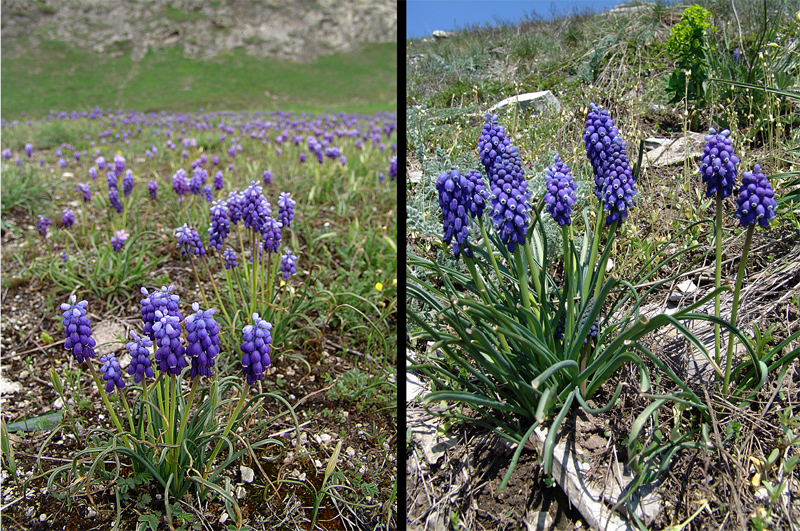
{"x":68,"y":219}
{"x":230,"y":258}
{"x":271,"y":235}
{"x":202,"y":339}
{"x":163,"y":301}
{"x":189,"y":241}
{"x":267,"y":176}
{"x":288,"y":265}
{"x":560,"y":194}
{"x":179,"y":183}
{"x":127,"y":183}
{"x":86,"y":190}
{"x":170,"y":350}
{"x":77,"y":331}
{"x":595,"y":325}
{"x":42,"y":225}
{"x":718,"y":164}
{"x":285,"y":209}
{"x":256,"y":349}
{"x":118,"y":241}
{"x":479,"y":195}
{"x":755,"y":201}
{"x":509,"y":192}
{"x":152,"y":188}
{"x":613,"y":177}
{"x":112,"y":374}
{"x":455,"y":198}
{"x":220,"y":226}
{"x":141,"y":365}
{"x":113,"y":198}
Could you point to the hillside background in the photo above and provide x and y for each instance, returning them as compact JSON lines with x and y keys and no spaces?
{"x":187,"y":54}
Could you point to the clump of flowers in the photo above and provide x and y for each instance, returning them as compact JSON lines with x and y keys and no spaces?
{"x":112,"y":374}
{"x":113,"y":198}
{"x":77,"y":329}
{"x":510,"y":196}
{"x":285,"y":209}
{"x":718,"y":164}
{"x":42,"y":225}
{"x":179,"y":183}
{"x":170,"y":350}
{"x":68,"y":219}
{"x":613,"y":176}
{"x":127,"y":183}
{"x":189,"y":241}
{"x":152,"y":189}
{"x":271,"y":235}
{"x":141,"y":365}
{"x":202,"y":339}
{"x":119,"y":239}
{"x":288,"y":265}
{"x":256,"y":349}
{"x":86,"y":191}
{"x":220,"y":226}
{"x":755,"y":202}
{"x":560,"y":194}
{"x":230,"y":258}
{"x":455,"y":192}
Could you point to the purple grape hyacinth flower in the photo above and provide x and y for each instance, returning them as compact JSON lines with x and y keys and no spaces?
{"x":198,"y":180}
{"x":113,"y":197}
{"x":509,"y":191}
{"x":218,"y":183}
{"x":230,"y":258}
{"x":119,"y":164}
{"x":78,"y":332}
{"x":455,"y":196}
{"x":256,"y":349}
{"x":152,"y":188}
{"x":170,"y":352}
{"x":86,"y":190}
{"x":68,"y":219}
{"x":208,"y":193}
{"x":235,"y":206}
{"x":615,"y":186}
{"x":42,"y":225}
{"x":189,"y":241}
{"x":286,"y":209}
{"x":271,"y":235}
{"x":179,"y":183}
{"x":162,"y":300}
{"x":393,"y":168}
{"x":112,"y":374}
{"x":101,"y":163}
{"x":267,"y":177}
{"x":288,"y":265}
{"x":756,"y":201}
{"x":29,"y":150}
{"x":220,"y":226}
{"x":479,"y":195}
{"x":127,"y":183}
{"x":118,"y":241}
{"x":141,"y":365}
{"x":202,"y":340}
{"x":253,"y":211}
{"x":93,"y":173}
{"x":718,"y":164}
{"x":560,"y":194}
{"x":7,"y":154}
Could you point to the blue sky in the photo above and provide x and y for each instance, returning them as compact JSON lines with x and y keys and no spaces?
{"x":425,"y":16}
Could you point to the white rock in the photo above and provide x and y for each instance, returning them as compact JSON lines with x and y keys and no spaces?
{"x":350,"y":451}
{"x":240,"y":493}
{"x":223,"y":517}
{"x":24,"y":374}
{"x":247,"y":474}
{"x":58,"y":404}
{"x":415,"y":177}
{"x":538,"y":102}
{"x":90,"y":512}
{"x":441,"y":34}
{"x":42,"y":517}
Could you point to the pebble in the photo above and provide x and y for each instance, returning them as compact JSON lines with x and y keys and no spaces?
{"x":223,"y":517}
{"x":240,"y":493}
{"x":24,"y":374}
{"x":90,"y":512}
{"x":317,"y":463}
{"x":350,"y":451}
{"x":42,"y":517}
{"x":247,"y":474}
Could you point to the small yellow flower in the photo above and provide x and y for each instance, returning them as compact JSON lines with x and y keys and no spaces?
{"x":378,"y":286}
{"x":394,"y":281}
{"x":283,"y":283}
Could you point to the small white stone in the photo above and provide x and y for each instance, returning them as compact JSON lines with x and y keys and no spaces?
{"x":42,"y":517}
{"x":240,"y":493}
{"x":223,"y":517}
{"x":350,"y":451}
{"x":302,"y":477}
{"x":325,"y":437}
{"x":24,"y":374}
{"x":317,"y":463}
{"x":58,"y":404}
{"x":247,"y":474}
{"x":90,"y":512}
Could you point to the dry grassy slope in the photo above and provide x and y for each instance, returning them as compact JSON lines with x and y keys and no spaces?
{"x":292,"y":30}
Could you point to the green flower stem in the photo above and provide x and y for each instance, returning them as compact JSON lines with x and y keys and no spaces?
{"x":739,"y":277}
{"x":197,"y":278}
{"x":718,"y":276}
{"x":593,"y":256}
{"x":535,"y":271}
{"x":253,"y":275}
{"x":127,"y":410}
{"x":601,"y":272}
{"x":103,"y":395}
{"x":569,"y":279}
{"x":184,"y":417}
{"x":484,"y":295}
{"x":489,"y":250}
{"x":522,"y":273}
{"x":216,"y":292}
{"x":231,"y":420}
{"x":171,"y":406}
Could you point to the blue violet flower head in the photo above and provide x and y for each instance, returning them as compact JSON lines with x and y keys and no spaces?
{"x":230,"y":258}
{"x":560,"y":194}
{"x":170,"y":352}
{"x":112,"y":374}
{"x":256,"y":349}
{"x":756,"y":201}
{"x":189,"y":241}
{"x":140,"y":366}
{"x":288,"y":265}
{"x":718,"y":164}
{"x":77,"y":331}
{"x":286,"y":209}
{"x":202,"y":340}
{"x":42,"y":225}
{"x":455,"y":198}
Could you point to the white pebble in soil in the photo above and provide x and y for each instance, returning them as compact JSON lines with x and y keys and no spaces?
{"x":247,"y":474}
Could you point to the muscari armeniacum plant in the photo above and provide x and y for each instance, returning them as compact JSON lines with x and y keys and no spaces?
{"x":510,"y":342}
{"x":174,"y":432}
